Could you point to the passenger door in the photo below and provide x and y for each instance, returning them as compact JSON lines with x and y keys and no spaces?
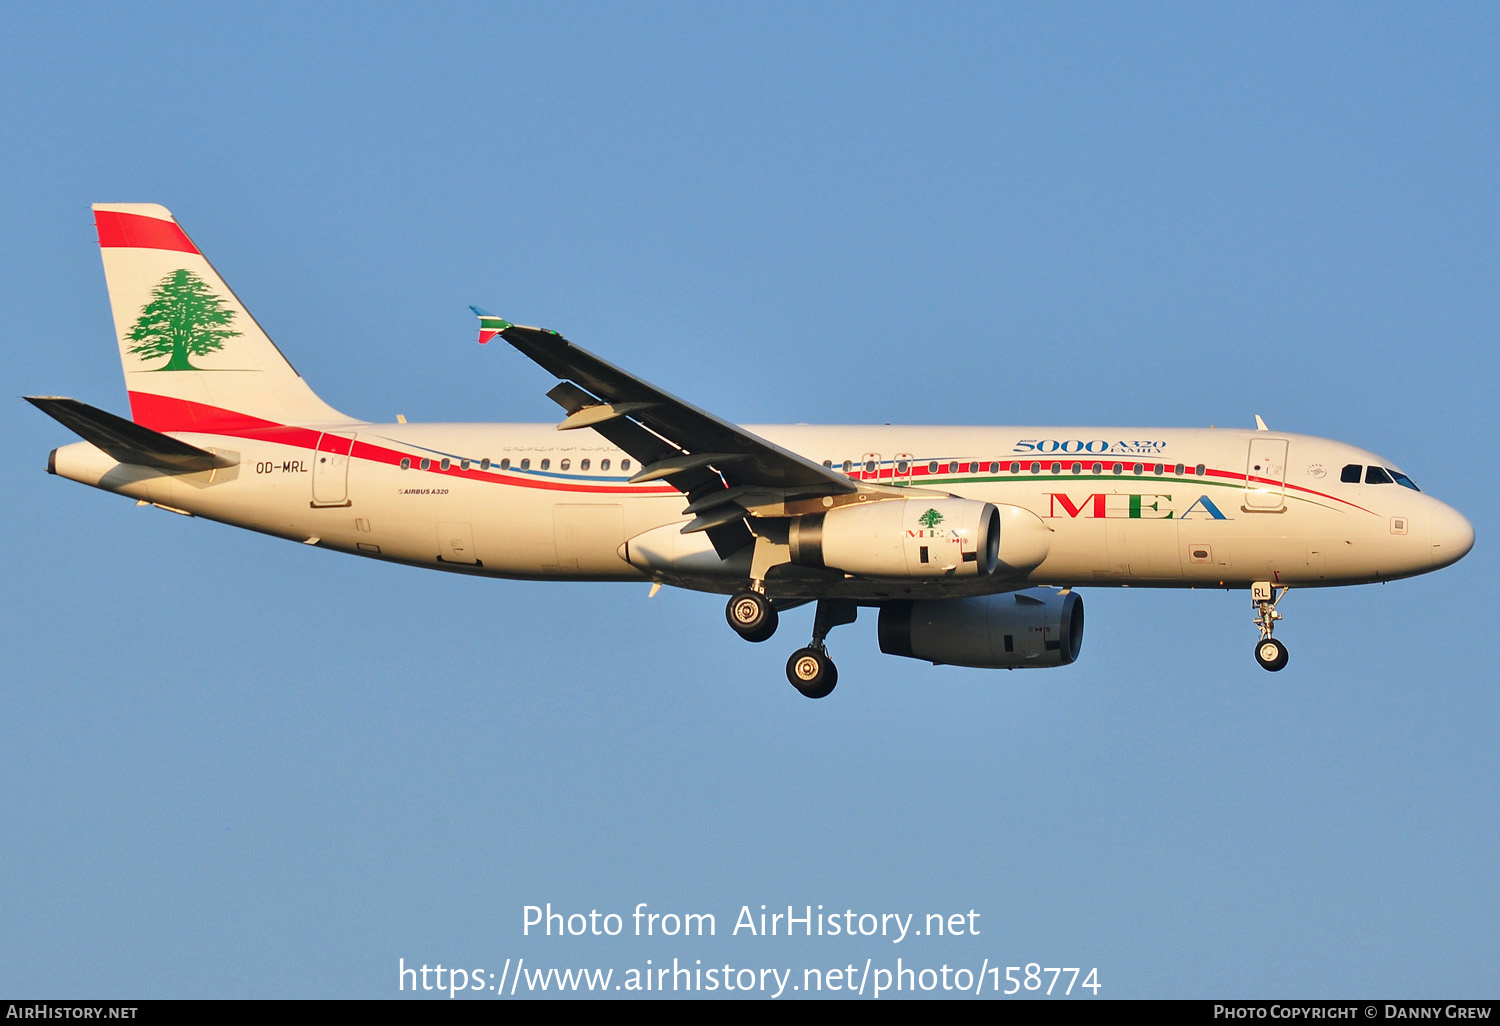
{"x":1265,"y":475}
{"x":330,"y":470}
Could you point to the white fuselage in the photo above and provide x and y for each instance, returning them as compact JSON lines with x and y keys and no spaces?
{"x":1154,"y":507}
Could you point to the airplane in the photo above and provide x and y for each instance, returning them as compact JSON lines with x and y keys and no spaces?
{"x":970,"y":542}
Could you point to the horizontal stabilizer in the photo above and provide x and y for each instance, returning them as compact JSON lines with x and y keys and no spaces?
{"x":126,"y":440}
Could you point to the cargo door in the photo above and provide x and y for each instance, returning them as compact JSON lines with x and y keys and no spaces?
{"x":589,"y":537}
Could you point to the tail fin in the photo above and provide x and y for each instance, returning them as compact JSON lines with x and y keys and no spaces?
{"x":194,"y":358}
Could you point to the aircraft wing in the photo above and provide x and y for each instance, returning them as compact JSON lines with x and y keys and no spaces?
{"x":724,"y":470}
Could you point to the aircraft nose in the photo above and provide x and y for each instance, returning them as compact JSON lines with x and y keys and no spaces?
{"x":1452,"y":536}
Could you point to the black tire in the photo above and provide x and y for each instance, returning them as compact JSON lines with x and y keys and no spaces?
{"x":812,"y":673}
{"x":1271,"y":654}
{"x":752,"y":615}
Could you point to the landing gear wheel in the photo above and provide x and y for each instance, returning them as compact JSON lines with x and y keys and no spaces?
{"x":751,"y":615}
{"x":812,"y":672}
{"x":1270,"y":653}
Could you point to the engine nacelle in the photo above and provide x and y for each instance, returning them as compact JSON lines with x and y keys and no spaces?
{"x":901,"y":538}
{"x":1024,"y":541}
{"x":1038,"y":627}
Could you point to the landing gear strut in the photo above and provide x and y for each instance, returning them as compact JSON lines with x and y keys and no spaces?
{"x":752,"y":615}
{"x":1265,"y":596}
{"x":809,"y":669}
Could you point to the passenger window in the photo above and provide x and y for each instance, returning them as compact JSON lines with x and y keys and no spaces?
{"x":1179,"y":468}
{"x":1078,"y":468}
{"x":828,"y":464}
{"x":1351,"y":474}
{"x":848,"y":466}
{"x":405,"y":463}
{"x":604,"y":464}
{"x":583,"y":464}
{"x":1057,"y":468}
{"x":932,"y":468}
{"x":445,"y":464}
{"x":1097,"y":468}
{"x":1200,"y":470}
{"x":902,"y":466}
{"x":546,"y":464}
{"x":505,"y":463}
{"x":1036,"y":468}
{"x":1160,"y":468}
{"x":526,"y":463}
{"x":425,"y":464}
{"x":624,"y":464}
{"x":995,"y":468}
{"x":1377,"y":475}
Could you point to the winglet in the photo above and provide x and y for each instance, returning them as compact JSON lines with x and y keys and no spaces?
{"x":489,"y":324}
{"x":1260,"y":425}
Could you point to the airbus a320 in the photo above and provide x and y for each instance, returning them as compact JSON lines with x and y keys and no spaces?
{"x":968,"y":542}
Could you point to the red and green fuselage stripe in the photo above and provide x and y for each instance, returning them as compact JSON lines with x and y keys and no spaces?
{"x":164,"y":413}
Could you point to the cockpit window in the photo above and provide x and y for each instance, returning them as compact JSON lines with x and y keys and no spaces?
{"x":1377,"y":475}
{"x":1404,"y":481}
{"x":1351,"y":474}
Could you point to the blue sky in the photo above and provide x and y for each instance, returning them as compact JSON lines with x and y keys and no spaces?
{"x":234,"y":766}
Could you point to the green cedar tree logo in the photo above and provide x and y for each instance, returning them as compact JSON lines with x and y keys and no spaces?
{"x":930,"y":519}
{"x":184,"y":318}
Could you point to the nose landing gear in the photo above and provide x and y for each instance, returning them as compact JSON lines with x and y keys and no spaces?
{"x":1265,"y":597}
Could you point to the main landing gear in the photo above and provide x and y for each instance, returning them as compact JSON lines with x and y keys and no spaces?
{"x":1270,"y":653}
{"x":751,"y":615}
{"x":811,"y":672}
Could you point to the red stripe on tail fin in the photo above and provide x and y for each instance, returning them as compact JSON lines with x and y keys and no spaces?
{"x":119,"y":230}
{"x":165,"y":413}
